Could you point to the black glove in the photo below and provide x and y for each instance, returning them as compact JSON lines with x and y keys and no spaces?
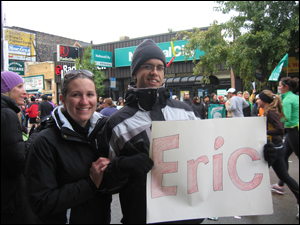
{"x":136,"y":165}
{"x":270,"y":153}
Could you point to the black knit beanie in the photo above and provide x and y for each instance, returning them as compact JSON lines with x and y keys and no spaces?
{"x":146,"y":50}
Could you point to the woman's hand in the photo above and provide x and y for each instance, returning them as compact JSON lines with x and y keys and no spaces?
{"x":97,"y":170}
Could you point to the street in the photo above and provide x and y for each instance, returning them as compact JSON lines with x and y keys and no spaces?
{"x":285,"y":206}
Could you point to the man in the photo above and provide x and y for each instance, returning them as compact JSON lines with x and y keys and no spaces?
{"x":109,"y":108}
{"x":45,"y":108}
{"x":100,"y":103}
{"x":32,"y":111}
{"x":240,"y":94}
{"x":186,"y":98}
{"x":237,"y":104}
{"x":204,"y":107}
{"x":128,"y":130}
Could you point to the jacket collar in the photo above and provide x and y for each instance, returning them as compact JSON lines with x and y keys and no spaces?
{"x":7,"y":102}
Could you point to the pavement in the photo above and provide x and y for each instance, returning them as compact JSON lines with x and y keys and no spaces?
{"x":285,"y":206}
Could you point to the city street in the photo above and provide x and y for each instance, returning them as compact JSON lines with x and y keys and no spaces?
{"x":285,"y":206}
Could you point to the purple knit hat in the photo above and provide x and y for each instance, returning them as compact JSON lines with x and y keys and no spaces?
{"x":9,"y":80}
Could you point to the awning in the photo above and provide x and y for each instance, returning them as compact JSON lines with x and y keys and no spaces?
{"x":190,"y":80}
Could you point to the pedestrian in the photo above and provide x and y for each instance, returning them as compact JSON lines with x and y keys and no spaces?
{"x":221,"y":100}
{"x":214,"y":99}
{"x":109,"y":108}
{"x":186,"y":98}
{"x":247,"y":110}
{"x":272,"y":106}
{"x":204,"y":107}
{"x":100,"y":103}
{"x":237,"y":104}
{"x":255,"y":108}
{"x":128,"y":129}
{"x":175,"y":97}
{"x":32,"y":111}
{"x":290,"y":103}
{"x":14,"y":205}
{"x":239,"y":94}
{"x":45,"y":108}
{"x":49,"y":98}
{"x":197,"y":105}
{"x":63,"y":172}
{"x":120,"y":103}
{"x":27,"y":102}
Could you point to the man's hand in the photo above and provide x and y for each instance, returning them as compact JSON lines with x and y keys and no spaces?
{"x":137,"y":165}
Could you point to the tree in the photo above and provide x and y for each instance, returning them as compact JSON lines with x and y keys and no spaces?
{"x":86,"y":64}
{"x":271,"y":30}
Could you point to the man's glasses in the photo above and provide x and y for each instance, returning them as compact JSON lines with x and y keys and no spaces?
{"x":74,"y":73}
{"x":151,"y":68}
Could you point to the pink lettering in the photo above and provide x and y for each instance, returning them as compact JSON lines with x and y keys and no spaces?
{"x":160,"y":167}
{"x":192,"y":173}
{"x":218,"y":172}
{"x":244,"y":186}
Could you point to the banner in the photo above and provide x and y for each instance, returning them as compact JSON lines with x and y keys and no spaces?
{"x":216,"y":111}
{"x":276,"y":72}
{"x":208,"y":168}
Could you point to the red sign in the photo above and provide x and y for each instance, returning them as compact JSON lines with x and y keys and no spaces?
{"x":58,"y":70}
{"x":64,"y":51}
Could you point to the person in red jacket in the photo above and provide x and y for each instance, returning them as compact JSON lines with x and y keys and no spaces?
{"x":32,"y":112}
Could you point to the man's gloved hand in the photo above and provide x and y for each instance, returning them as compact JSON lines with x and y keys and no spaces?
{"x":270,"y":153}
{"x":136,"y":165}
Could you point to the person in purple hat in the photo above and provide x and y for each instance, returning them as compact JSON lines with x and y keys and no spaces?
{"x":14,"y":205}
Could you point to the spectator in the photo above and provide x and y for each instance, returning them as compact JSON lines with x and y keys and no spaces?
{"x":197,"y":105}
{"x":221,"y":100}
{"x":129,"y":129}
{"x":45,"y":108}
{"x":100,"y":103}
{"x":109,"y":108}
{"x":63,"y":172}
{"x":247,"y":110}
{"x":240,"y":94}
{"x":175,"y":97}
{"x":120,"y":103}
{"x":14,"y":205}
{"x":32,"y":111}
{"x":237,"y":104}
{"x":204,"y":107}
{"x":214,"y":99}
{"x":50,"y":101}
{"x":186,"y":98}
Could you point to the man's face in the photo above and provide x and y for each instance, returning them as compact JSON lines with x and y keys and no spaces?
{"x":146,"y":77}
{"x":186,"y":96}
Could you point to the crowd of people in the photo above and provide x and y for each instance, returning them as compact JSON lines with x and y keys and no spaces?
{"x":85,"y":150}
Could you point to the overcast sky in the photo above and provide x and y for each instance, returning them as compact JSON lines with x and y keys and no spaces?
{"x":103,"y":22}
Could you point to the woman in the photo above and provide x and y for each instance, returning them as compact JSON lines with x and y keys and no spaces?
{"x":247,"y":110}
{"x":290,"y":103}
{"x":120,"y":103}
{"x":272,"y":106}
{"x":109,"y":108}
{"x":197,"y":106}
{"x":14,"y":205}
{"x":64,"y":169}
{"x":214,"y":99}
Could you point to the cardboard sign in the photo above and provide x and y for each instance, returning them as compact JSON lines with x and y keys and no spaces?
{"x":208,"y":168}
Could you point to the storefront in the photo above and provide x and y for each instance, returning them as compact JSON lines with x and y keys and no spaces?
{"x":179,"y":77}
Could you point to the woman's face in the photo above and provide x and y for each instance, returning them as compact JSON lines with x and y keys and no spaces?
{"x":81,"y":100}
{"x":260,"y":103}
{"x":18,"y":93}
{"x":283,"y":88}
{"x":246,"y":96}
{"x":215,"y":97}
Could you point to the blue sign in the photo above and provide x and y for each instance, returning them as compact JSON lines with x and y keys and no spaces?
{"x":113,"y":83}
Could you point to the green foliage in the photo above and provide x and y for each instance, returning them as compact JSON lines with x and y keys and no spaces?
{"x":271,"y":29}
{"x":86,"y":64}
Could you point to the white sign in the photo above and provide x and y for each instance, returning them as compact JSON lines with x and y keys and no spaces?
{"x":34,"y":82}
{"x":208,"y":168}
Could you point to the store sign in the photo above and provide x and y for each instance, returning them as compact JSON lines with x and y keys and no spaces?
{"x":123,"y":56}
{"x":20,"y":44}
{"x":102,"y":58}
{"x":17,"y":67}
{"x":67,"y":53}
{"x":34,"y":82}
{"x":293,"y":66}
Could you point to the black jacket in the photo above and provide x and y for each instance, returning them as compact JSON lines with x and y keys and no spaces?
{"x":59,"y":187}
{"x":203,"y":110}
{"x":197,"y":107}
{"x":14,"y":204}
{"x":128,"y":133}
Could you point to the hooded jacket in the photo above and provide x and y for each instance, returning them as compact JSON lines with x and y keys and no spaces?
{"x":128,"y":131}
{"x":59,"y":187}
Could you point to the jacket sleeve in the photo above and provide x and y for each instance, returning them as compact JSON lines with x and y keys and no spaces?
{"x":45,"y":195}
{"x":12,"y":144}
